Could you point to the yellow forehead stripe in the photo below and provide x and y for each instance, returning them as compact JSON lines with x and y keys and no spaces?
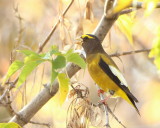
{"x":90,"y":37}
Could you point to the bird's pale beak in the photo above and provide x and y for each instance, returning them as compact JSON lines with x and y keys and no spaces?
{"x":79,"y":41}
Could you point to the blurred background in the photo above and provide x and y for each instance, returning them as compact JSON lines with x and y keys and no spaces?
{"x":25,"y":24}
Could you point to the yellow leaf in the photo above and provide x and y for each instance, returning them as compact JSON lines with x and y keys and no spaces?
{"x":125,"y":24}
{"x":157,"y":62}
{"x":150,"y":5}
{"x":63,"y":87}
{"x":121,"y":4}
{"x":155,"y":52}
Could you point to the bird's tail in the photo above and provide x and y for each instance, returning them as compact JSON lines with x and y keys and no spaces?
{"x":132,"y":102}
{"x":130,"y":99}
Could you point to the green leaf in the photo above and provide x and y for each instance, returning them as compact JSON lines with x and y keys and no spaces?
{"x":31,"y":58}
{"x":9,"y":125}
{"x":55,"y":50}
{"x":27,"y":52}
{"x":27,"y":69}
{"x":59,"y":62}
{"x":46,"y":56}
{"x":76,"y":59}
{"x":63,"y":86}
{"x":15,"y":66}
{"x":54,"y":74}
{"x":70,"y":51}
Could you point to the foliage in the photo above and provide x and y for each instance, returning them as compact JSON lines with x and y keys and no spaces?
{"x":16,"y":65}
{"x":75,"y":58}
{"x":58,"y":61}
{"x":125,"y":22}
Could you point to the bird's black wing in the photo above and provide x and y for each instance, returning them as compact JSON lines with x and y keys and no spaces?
{"x":105,"y":67}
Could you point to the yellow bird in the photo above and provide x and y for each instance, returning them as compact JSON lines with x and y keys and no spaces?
{"x":104,"y":71}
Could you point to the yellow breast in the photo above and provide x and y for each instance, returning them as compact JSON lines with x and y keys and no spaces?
{"x":98,"y":75}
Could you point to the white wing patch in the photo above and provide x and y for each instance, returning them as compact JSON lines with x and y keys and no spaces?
{"x":119,"y":75}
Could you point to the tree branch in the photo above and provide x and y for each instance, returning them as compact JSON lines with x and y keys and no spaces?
{"x":130,"y":52}
{"x":110,"y":111}
{"x":42,"y":98}
{"x":37,"y":123}
{"x":106,"y":22}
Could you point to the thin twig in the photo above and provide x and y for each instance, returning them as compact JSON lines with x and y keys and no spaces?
{"x":45,"y":124}
{"x":20,"y":28}
{"x":5,"y":98}
{"x":54,"y":28}
{"x":11,"y":85}
{"x":126,"y":11}
{"x":3,"y":95}
{"x":130,"y":52}
{"x":105,"y":109}
{"x":109,"y":110}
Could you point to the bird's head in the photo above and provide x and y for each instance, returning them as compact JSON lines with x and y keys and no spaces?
{"x":90,"y":43}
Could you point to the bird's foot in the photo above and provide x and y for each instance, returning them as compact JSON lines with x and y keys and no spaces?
{"x":104,"y":101}
{"x":100,"y":91}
